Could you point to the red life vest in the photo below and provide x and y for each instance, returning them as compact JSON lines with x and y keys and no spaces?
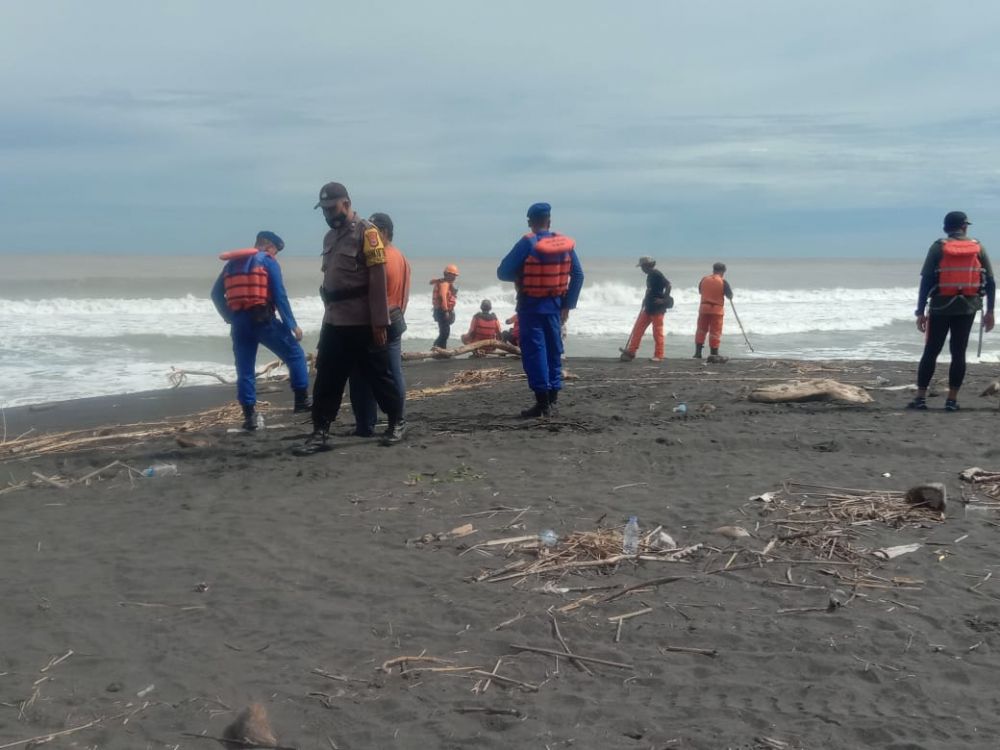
{"x":546,"y":269}
{"x":713,"y":295}
{"x":443,"y":296}
{"x":960,"y":271}
{"x":484,"y":329}
{"x":245,"y":279}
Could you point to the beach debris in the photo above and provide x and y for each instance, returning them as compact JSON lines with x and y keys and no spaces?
{"x":190,"y":441}
{"x":160,"y":470}
{"x":201,"y":588}
{"x":706,"y":408}
{"x":975,"y":475}
{"x":992,"y":391}
{"x":250,"y":729}
{"x":495,"y":347}
{"x":716,"y":359}
{"x":688,"y":650}
{"x":732,"y":532}
{"x":666,"y":541}
{"x":571,"y":656}
{"x":838,"y":598}
{"x":886,"y":475}
{"x":764,"y":497}
{"x":815,"y":389}
{"x":578,"y":550}
{"x":145,"y":691}
{"x":934,"y":495}
{"x":443,"y":536}
{"x":548,"y":538}
{"x":891,"y":553}
{"x":681,"y":409}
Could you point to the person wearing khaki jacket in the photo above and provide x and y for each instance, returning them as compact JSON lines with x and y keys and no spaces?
{"x":356,"y":321}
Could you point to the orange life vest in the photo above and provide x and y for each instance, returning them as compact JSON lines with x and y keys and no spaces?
{"x":245,"y":279}
{"x":444,"y":296}
{"x":713,"y":295}
{"x":546,"y":269}
{"x":483,"y":328}
{"x":960,"y":271}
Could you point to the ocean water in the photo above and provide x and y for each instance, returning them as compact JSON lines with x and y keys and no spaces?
{"x":73,"y":326}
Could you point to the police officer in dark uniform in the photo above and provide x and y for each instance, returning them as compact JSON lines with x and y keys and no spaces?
{"x":355,"y":326}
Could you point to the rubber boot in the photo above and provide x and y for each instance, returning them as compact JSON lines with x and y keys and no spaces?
{"x":302,"y":401}
{"x":714,"y":351}
{"x":553,"y":397}
{"x":541,"y":407}
{"x":697,"y":351}
{"x":249,"y":417}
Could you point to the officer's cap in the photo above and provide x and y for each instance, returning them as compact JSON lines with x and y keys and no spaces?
{"x":279,"y":244}
{"x":330,"y":193}
{"x":539,"y":210}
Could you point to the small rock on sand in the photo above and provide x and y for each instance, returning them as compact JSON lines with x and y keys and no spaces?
{"x":251,"y":727}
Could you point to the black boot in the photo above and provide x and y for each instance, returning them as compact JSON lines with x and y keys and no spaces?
{"x":553,"y":397}
{"x":317,"y":442}
{"x":394,"y":432}
{"x":697,"y":351}
{"x":302,"y":401}
{"x":541,"y":407}
{"x":249,"y":417}
{"x":714,"y":351}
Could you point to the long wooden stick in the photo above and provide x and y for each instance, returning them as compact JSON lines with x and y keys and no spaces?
{"x":239,"y":743}
{"x":562,"y":642}
{"x":686,"y":650}
{"x":509,"y":680}
{"x":645,"y":584}
{"x":568,"y":655}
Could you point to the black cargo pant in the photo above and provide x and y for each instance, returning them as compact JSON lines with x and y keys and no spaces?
{"x":938,"y":328}
{"x":343,"y":350}
{"x":443,"y":318}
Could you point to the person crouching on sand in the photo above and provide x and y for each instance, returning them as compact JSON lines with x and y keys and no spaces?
{"x":956,"y":274}
{"x":656,"y":302}
{"x":714,"y":291}
{"x":485,"y":326}
{"x":247,"y":293}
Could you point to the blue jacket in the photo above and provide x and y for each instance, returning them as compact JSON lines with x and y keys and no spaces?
{"x":275,"y":285}
{"x":510,"y":269}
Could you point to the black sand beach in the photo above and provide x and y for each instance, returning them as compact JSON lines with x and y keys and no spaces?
{"x":256,"y":576}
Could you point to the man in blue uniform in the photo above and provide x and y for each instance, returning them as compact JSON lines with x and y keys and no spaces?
{"x":247,"y":293}
{"x":547,"y":274}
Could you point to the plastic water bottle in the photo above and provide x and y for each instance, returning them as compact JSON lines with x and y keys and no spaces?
{"x":548,"y":538}
{"x":160,"y":470}
{"x":681,"y":409}
{"x":630,"y":537}
{"x":259,"y":421}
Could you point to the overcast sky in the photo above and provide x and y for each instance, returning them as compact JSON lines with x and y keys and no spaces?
{"x":774,"y":127}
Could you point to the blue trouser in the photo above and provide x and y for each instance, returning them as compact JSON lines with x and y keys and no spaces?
{"x":363,"y":400}
{"x":247,"y":336}
{"x":541,"y":350}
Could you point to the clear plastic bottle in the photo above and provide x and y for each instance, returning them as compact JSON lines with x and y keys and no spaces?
{"x":681,"y":409}
{"x":548,"y":538}
{"x":630,"y":537}
{"x":160,"y":470}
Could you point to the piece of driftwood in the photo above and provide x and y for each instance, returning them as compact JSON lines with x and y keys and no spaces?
{"x":568,"y":655}
{"x":816,"y":389}
{"x":475,"y":346}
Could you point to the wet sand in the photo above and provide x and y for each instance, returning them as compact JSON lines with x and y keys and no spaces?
{"x":238,"y":579}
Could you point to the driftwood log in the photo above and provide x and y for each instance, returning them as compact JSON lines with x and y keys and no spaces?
{"x":475,"y":346}
{"x":818,"y":389}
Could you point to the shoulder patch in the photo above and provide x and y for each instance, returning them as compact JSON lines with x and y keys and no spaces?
{"x":373,"y":247}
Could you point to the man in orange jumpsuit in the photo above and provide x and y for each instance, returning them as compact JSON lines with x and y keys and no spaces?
{"x":714,"y":290}
{"x":656,"y":302}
